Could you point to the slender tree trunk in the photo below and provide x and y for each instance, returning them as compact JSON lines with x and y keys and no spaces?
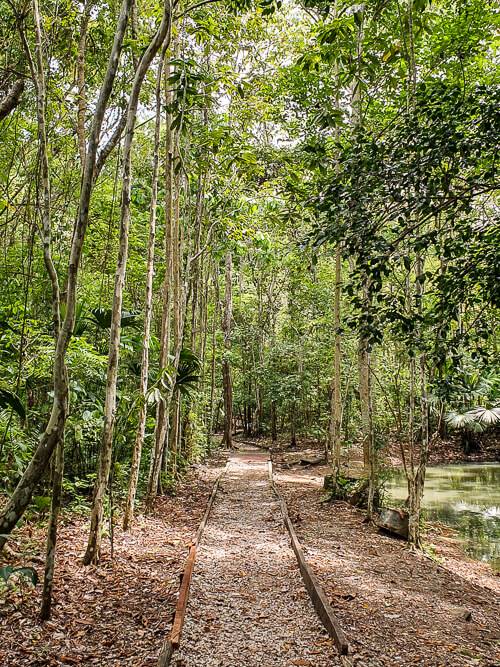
{"x":293,"y":425}
{"x":195,"y":278}
{"x":336,"y":401}
{"x":92,"y":553}
{"x":57,"y":482}
{"x":364,"y":397}
{"x":161,"y":424}
{"x":274,"y":432}
{"x":148,"y":310}
{"x":364,"y":355}
{"x":179,"y":304}
{"x":416,"y":478}
{"x":54,"y":430}
{"x":226,"y":365}
{"x":80,"y":81}
{"x":38,"y":74}
{"x":175,"y":435}
{"x":417,"y":475}
{"x":11,"y":100}
{"x":213,"y":359}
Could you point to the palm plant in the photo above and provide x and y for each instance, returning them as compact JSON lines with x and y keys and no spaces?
{"x":101,"y":317}
{"x":188,"y":372}
{"x":186,"y":378}
{"x":471,"y":423}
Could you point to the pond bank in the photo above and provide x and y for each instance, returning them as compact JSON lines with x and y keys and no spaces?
{"x":450,"y":450}
{"x":397,"y":607}
{"x":466,"y":498}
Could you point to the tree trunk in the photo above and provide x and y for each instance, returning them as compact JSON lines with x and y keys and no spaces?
{"x":148,"y":310}
{"x":10,"y":101}
{"x":195,"y":279}
{"x":213,"y":360}
{"x":274,"y":432}
{"x":226,"y":366}
{"x":364,"y":397}
{"x":92,"y":553}
{"x":293,"y":428}
{"x":417,"y":477}
{"x":162,"y":417}
{"x":57,"y":481}
{"x":336,"y":401}
{"x":45,"y":214}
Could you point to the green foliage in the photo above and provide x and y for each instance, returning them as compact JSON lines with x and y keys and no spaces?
{"x":27,"y":573}
{"x":476,"y":420}
{"x":188,"y":372}
{"x":101,"y":317}
{"x":11,"y":400}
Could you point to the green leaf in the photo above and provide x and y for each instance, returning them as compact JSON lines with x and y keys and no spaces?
{"x":26,"y":572}
{"x":8,"y":399}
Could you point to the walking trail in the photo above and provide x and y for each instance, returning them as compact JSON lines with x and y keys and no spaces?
{"x":248,"y":605}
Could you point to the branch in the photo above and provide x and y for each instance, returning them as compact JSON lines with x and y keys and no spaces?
{"x":193,"y":7}
{"x":112,"y":142}
{"x":12,"y":98}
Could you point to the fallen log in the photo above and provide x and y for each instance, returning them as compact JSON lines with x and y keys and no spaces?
{"x":173,"y":640}
{"x":393,"y":521}
{"x":312,"y":459}
{"x":316,"y":592}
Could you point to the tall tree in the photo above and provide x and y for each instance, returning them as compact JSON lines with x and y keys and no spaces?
{"x":92,"y":553}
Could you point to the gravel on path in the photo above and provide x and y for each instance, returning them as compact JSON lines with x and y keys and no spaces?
{"x":248,"y":605}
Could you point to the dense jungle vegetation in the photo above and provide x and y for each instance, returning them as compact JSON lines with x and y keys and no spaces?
{"x":273,"y":218}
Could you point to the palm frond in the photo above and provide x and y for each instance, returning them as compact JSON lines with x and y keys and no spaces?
{"x":101,"y":317}
{"x":188,"y":371}
{"x":8,"y":399}
{"x":457,"y":420}
{"x":485,"y":416}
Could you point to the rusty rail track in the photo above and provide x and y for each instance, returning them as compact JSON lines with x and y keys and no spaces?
{"x":314,"y":588}
{"x":172,"y":642}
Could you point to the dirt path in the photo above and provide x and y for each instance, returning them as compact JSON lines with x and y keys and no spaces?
{"x":248,"y":605}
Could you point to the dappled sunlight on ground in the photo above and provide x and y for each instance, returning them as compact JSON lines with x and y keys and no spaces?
{"x":248,"y":604}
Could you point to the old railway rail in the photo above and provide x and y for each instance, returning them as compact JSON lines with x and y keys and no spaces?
{"x":312,"y":585}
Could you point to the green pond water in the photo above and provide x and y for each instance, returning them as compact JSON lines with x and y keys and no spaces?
{"x":465,"y":497}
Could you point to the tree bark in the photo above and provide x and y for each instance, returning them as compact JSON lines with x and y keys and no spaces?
{"x":92,"y":553}
{"x":162,"y":416}
{"x":11,"y":100}
{"x":38,"y":73}
{"x":274,"y":432}
{"x":226,"y":365}
{"x":57,"y":482}
{"x":213,"y":360}
{"x":148,"y":311}
{"x":416,"y":475}
{"x":195,"y":278}
{"x":336,"y":401}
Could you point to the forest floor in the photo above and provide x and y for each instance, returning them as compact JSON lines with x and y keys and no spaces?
{"x":450,"y":450}
{"x":397,"y":607}
{"x":248,"y":605}
{"x":117,"y":614}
